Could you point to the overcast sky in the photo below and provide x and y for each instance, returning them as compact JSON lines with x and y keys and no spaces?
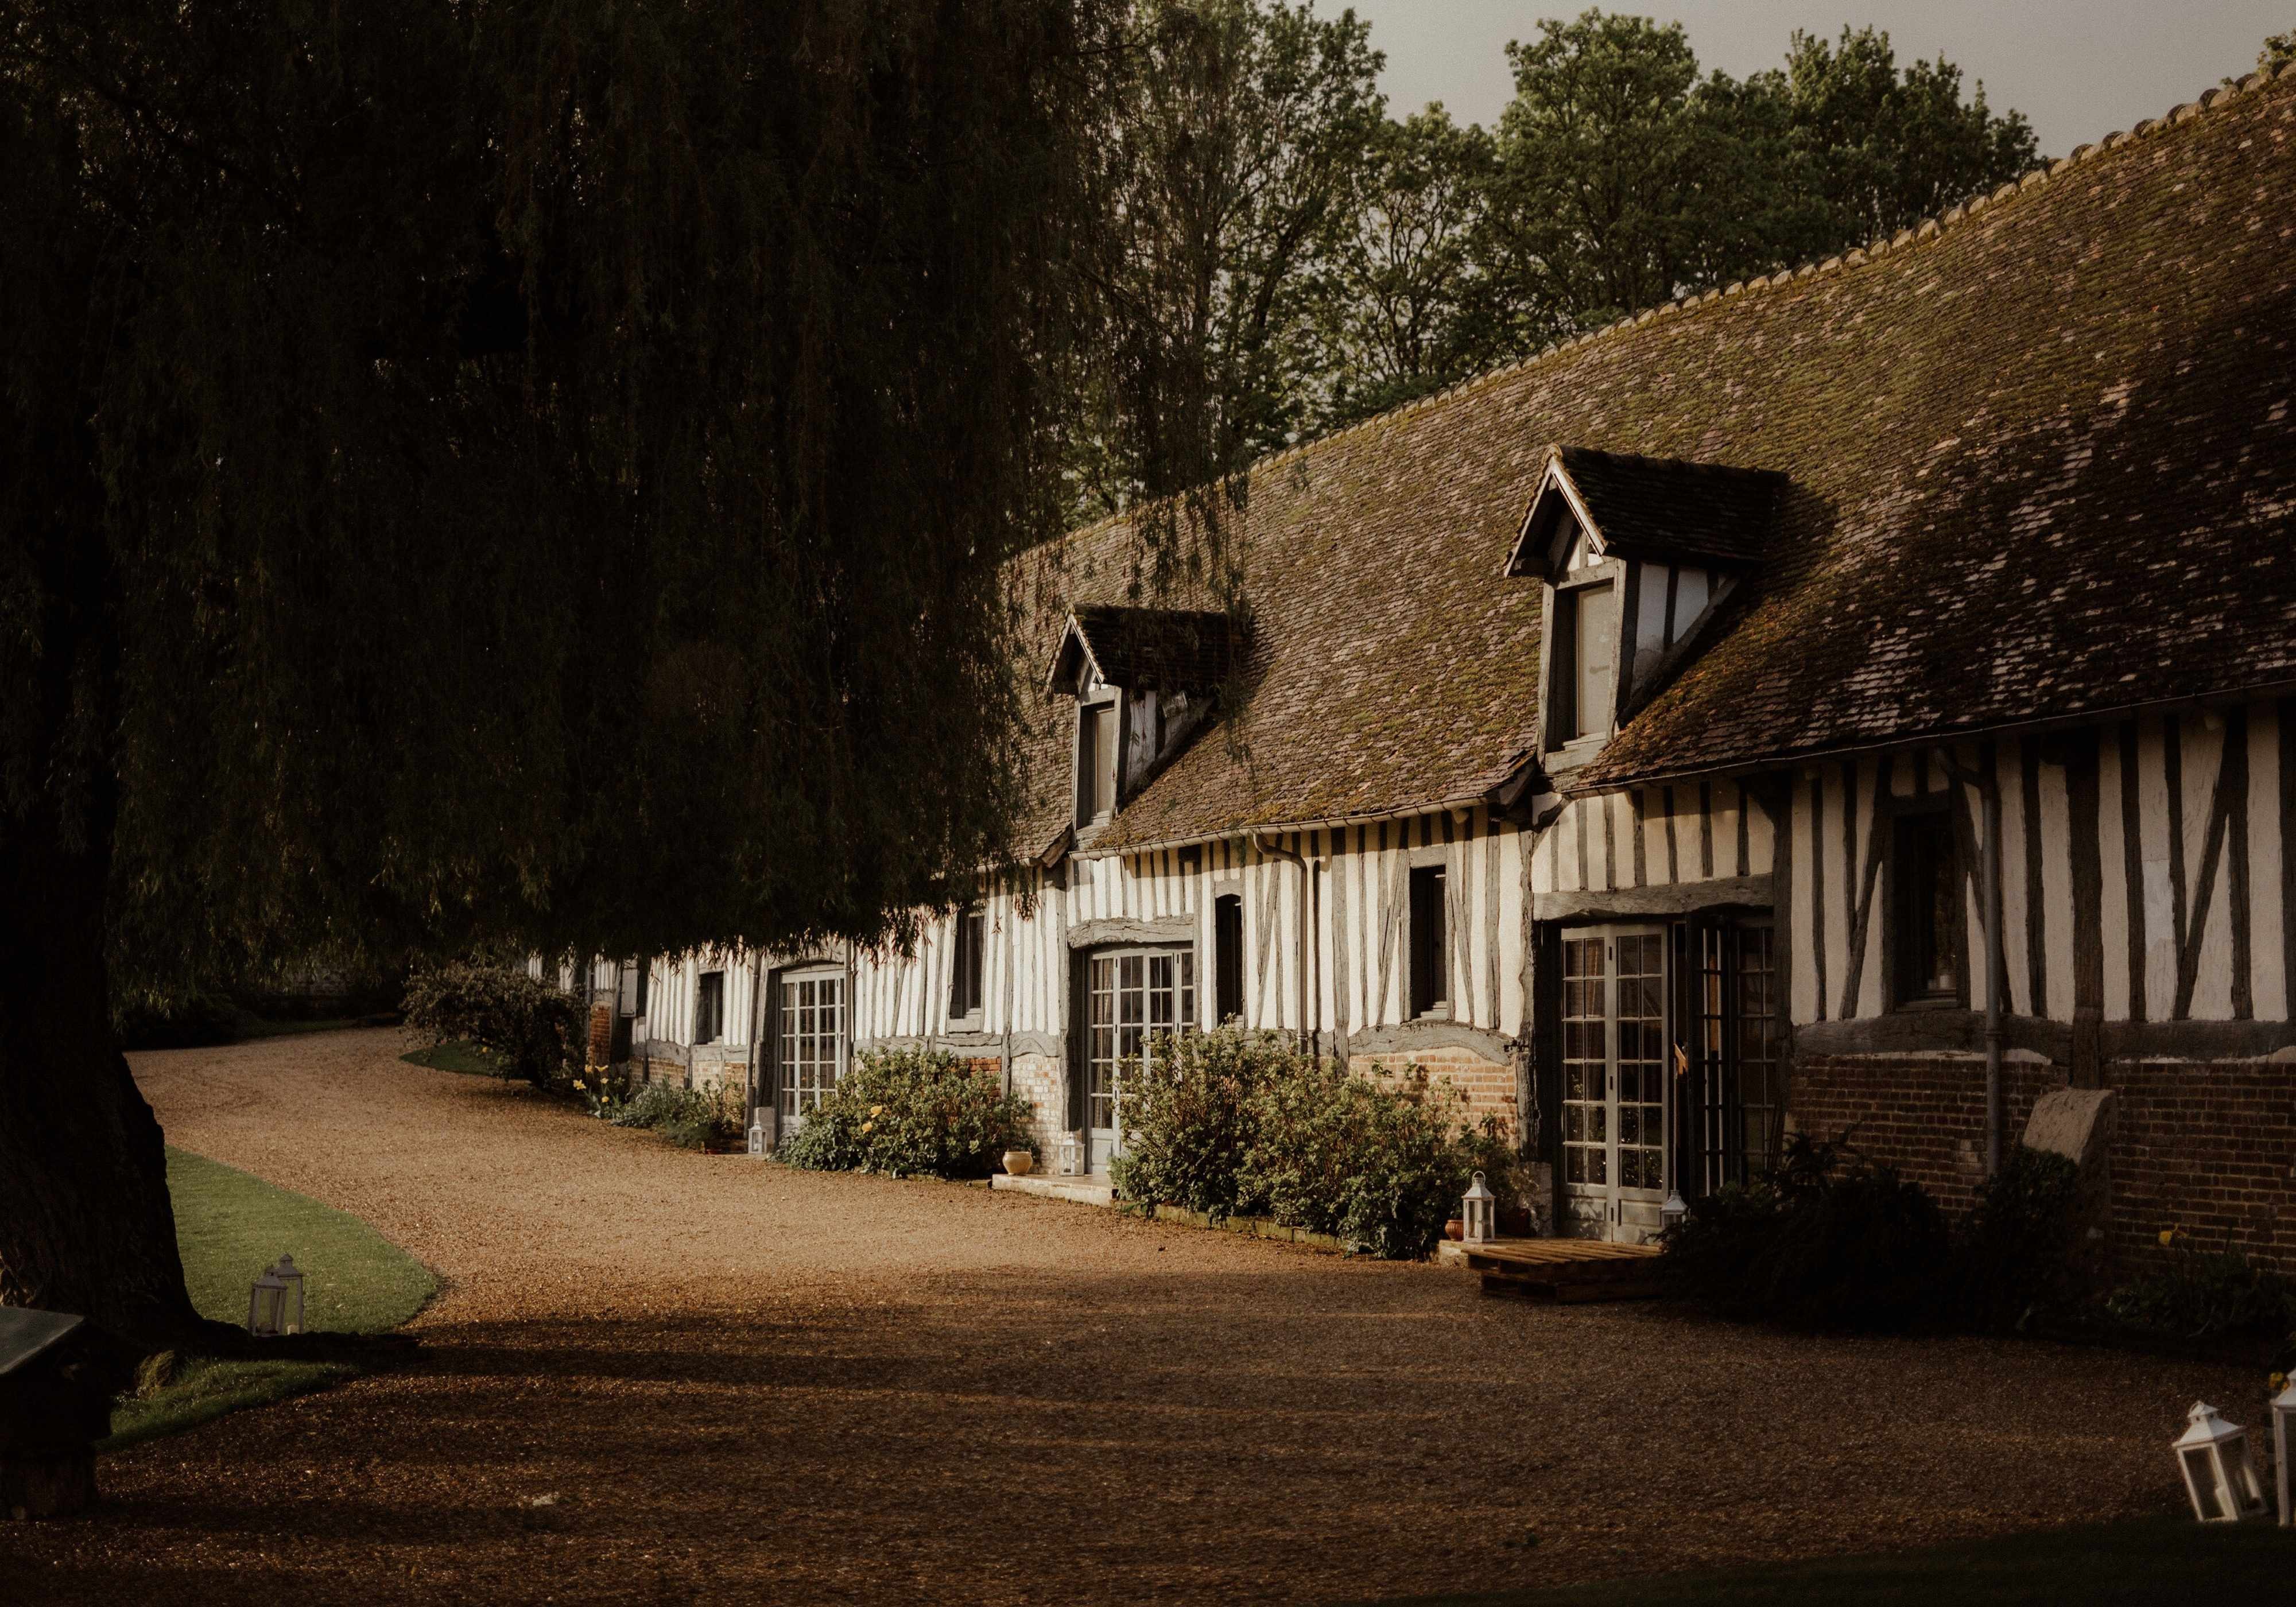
{"x":2077,"y":69}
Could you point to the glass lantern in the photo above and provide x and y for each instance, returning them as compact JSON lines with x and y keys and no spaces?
{"x":2220,"y":1473}
{"x":266,"y":1303}
{"x":291,"y":1299}
{"x":1478,"y":1213}
{"x":2284,"y":1430}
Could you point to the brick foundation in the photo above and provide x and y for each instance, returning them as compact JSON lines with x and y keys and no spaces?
{"x":2209,"y":1146}
{"x":1042,"y":1079}
{"x":1488,"y":1087}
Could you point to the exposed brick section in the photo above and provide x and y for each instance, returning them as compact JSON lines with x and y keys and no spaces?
{"x":601,"y":1044}
{"x":2208,"y":1147}
{"x":2211,"y":1148}
{"x":1489,"y":1088}
{"x":1924,"y":1115}
{"x":1042,"y":1080}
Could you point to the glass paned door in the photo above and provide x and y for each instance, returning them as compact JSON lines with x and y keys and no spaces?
{"x":1133,"y":994}
{"x":811,"y":1045}
{"x":1615,"y":1081}
{"x":1740,"y":1081}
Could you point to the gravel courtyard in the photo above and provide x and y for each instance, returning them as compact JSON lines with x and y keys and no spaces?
{"x":744,"y":1383}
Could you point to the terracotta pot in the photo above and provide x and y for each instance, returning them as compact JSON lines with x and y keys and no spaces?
{"x":1454,"y":1230}
{"x":1018,"y":1163}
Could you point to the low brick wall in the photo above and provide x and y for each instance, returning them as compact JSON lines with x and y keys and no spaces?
{"x":2209,"y":1146}
{"x":1487,"y":1087}
{"x":1042,"y":1079}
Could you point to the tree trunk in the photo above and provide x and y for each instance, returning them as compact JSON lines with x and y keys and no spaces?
{"x":86,"y":1222}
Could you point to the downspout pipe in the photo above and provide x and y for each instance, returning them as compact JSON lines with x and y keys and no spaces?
{"x":1988,"y":790}
{"x":1308,"y":1031}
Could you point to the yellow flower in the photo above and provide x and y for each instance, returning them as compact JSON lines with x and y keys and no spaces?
{"x":867,"y":1124}
{"x":580,"y":1084}
{"x":2276,"y":1382}
{"x":876,"y":1110}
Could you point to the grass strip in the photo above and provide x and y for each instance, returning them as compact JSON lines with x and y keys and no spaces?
{"x":229,"y":1227}
{"x":460,"y":1054}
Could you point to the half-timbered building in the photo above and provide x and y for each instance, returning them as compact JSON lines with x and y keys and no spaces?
{"x":1853,"y":701}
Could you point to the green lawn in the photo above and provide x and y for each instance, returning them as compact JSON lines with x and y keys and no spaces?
{"x":2159,"y":1563}
{"x":460,"y":1055}
{"x":230,"y":1226}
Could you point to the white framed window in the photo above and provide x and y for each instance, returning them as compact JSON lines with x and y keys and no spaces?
{"x":810,"y":1040}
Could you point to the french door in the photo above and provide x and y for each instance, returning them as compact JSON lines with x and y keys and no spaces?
{"x":1738,"y":1071}
{"x":1131,"y":995}
{"x":1615,"y":1081}
{"x":808,"y":1042}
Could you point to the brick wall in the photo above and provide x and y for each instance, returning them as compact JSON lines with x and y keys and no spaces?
{"x":1488,"y":1087}
{"x":601,"y":1044}
{"x":1923,"y":1114}
{"x":2208,"y":1146}
{"x":1042,"y":1080}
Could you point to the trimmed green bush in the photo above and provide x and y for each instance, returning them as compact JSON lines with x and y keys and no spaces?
{"x":2202,"y":1294}
{"x":1188,"y":1115}
{"x":1240,"y":1123}
{"x":689,"y":1118}
{"x":2012,"y":1255}
{"x":535,"y":1029}
{"x":1824,"y":1240}
{"x":911,"y":1112}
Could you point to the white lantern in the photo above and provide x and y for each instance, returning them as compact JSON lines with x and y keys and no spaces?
{"x":2219,"y":1474}
{"x":1071,"y":1154}
{"x":1675,"y":1208}
{"x":758,"y":1134}
{"x":264,"y":1302}
{"x":2284,"y":1430}
{"x":1479,"y":1211}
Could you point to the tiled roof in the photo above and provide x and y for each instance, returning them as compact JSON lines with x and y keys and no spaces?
{"x":2040,"y":462}
{"x":1187,"y":650}
{"x":1663,"y":507}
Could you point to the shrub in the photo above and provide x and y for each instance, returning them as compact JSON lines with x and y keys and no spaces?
{"x":1825,"y":1239}
{"x":689,"y":1118}
{"x":2013,"y":1253}
{"x":2204,"y":1294}
{"x":535,"y":1029}
{"x":1188,"y":1115}
{"x":1233,"y":1122}
{"x":911,"y":1112}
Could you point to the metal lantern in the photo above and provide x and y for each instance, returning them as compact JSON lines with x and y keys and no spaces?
{"x":2284,"y":1430}
{"x":1478,"y":1213}
{"x":1071,"y":1154}
{"x":2220,"y":1473}
{"x":758,"y":1134}
{"x":274,"y":1303}
{"x":1675,"y":1208}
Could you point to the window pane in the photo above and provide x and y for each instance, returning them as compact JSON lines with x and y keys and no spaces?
{"x":1596,"y":636}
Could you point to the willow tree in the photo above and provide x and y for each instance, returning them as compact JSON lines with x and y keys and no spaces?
{"x":521,"y":468}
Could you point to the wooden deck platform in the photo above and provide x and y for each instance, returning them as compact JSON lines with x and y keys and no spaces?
{"x":1566,"y":1270}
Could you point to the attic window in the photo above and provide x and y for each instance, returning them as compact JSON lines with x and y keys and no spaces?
{"x":1583,"y":674}
{"x":1095,"y":766}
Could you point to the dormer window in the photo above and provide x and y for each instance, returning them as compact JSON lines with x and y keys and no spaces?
{"x":1096,"y":760}
{"x":1638,"y":556}
{"x":1586,"y":662}
{"x":1143,"y":679}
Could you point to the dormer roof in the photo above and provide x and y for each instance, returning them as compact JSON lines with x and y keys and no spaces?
{"x":1173,"y":650}
{"x":1663,"y":509}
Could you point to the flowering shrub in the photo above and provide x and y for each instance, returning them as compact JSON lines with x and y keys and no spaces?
{"x":1188,"y":1115}
{"x":531,"y":1027}
{"x":911,"y":1113}
{"x":1234,"y":1122}
{"x":2198,"y":1294}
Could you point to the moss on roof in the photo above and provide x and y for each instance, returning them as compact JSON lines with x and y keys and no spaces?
{"x":2040,"y":462}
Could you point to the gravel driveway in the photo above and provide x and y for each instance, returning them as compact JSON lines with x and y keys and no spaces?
{"x":744,"y":1383}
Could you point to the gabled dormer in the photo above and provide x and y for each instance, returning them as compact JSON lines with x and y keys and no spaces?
{"x":1143,"y":679}
{"x":1637,"y":555}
